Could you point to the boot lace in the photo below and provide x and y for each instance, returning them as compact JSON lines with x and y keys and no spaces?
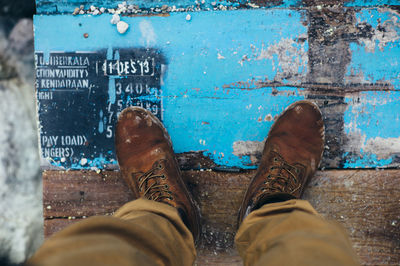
{"x":150,"y":183}
{"x":282,"y":176}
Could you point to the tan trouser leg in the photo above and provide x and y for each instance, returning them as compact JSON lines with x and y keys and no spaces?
{"x":141,"y":232}
{"x":292,"y":233}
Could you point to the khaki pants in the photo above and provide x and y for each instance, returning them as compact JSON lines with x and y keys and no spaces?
{"x":144,"y":232}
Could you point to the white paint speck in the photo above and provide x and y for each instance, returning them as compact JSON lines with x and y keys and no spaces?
{"x":219,"y":56}
{"x":122,"y":27}
{"x":83,"y":161}
{"x":268,"y":117}
{"x":252,"y":5}
{"x":188,"y":17}
{"x":115,"y":19}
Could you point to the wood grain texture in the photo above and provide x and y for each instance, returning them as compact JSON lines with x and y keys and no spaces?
{"x":365,"y":202}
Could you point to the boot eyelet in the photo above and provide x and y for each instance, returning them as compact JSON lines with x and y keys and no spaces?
{"x":160,"y":166}
{"x":297,"y":170}
{"x":163,"y":176}
{"x":166,"y":186}
{"x":275,"y":159}
{"x":170,"y":198}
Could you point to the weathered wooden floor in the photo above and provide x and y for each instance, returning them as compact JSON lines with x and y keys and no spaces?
{"x":365,"y":202}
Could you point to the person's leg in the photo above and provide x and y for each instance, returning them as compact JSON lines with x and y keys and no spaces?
{"x":158,"y":229}
{"x":141,"y":232}
{"x":292,"y":233}
{"x":280,"y":229}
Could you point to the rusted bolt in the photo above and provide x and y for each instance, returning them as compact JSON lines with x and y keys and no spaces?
{"x":85,"y":35}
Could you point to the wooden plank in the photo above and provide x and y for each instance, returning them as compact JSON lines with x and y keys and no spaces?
{"x":240,"y":76}
{"x":77,"y":194}
{"x":365,"y":202}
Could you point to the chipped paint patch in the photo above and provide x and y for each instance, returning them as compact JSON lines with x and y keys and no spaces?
{"x":375,"y":57}
{"x":253,"y":149}
{"x":385,"y":31}
{"x":372,"y":129}
{"x":383,"y":147}
{"x":289,"y":58}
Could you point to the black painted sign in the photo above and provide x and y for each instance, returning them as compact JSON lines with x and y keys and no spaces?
{"x":80,"y":95}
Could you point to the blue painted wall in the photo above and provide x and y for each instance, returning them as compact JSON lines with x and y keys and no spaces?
{"x":213,"y":97}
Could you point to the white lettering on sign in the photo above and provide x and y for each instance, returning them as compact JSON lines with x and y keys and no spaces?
{"x":63,"y":60}
{"x":45,"y":95}
{"x":68,"y":72}
{"x":61,"y":73}
{"x":75,"y":140}
{"x":64,"y":83}
{"x":79,"y":140}
{"x":131,"y":67}
{"x":49,"y":141}
{"x":58,"y":152}
{"x":62,"y":146}
{"x":138,"y":89}
{"x":80,"y":95}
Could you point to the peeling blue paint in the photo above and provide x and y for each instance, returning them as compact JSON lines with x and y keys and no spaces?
{"x":212,"y":93}
{"x":231,"y":120}
{"x":55,"y":7}
{"x":377,"y":59}
{"x":203,"y":68}
{"x":366,"y":161}
{"x":373,"y":126}
{"x":370,"y":3}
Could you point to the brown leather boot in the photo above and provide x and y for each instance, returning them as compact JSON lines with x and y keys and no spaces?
{"x":149,"y":166}
{"x":292,"y":153}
